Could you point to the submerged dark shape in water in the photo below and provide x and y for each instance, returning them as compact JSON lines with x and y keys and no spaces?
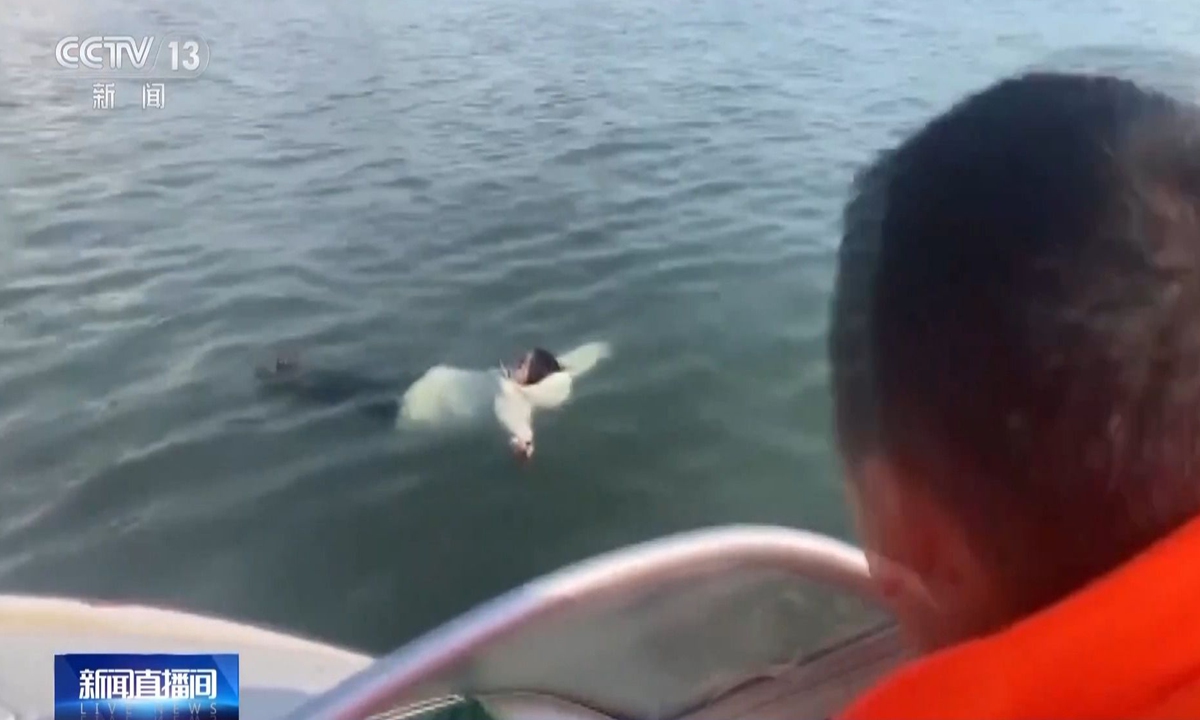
{"x":370,"y":396}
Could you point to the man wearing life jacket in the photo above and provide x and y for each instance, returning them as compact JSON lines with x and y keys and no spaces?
{"x":1015,"y":346}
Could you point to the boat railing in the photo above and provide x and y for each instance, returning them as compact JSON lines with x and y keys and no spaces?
{"x":446,"y":659}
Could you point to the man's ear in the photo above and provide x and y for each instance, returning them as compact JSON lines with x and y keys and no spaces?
{"x":917,"y":552}
{"x":901,"y":519}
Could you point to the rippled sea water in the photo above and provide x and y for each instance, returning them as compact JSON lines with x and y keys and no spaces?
{"x":391,"y":185}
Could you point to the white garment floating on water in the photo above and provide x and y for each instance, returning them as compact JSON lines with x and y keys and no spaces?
{"x":448,"y":396}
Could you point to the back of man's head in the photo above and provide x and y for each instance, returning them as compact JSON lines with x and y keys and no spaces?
{"x":1016,"y":324}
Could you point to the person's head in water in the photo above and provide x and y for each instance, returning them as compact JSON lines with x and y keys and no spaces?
{"x":535,"y":366}
{"x":1015,"y":347}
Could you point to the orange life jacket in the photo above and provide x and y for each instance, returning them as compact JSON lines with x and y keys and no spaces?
{"x":1125,"y":647}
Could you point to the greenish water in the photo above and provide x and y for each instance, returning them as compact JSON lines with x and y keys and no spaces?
{"x":392,"y":185}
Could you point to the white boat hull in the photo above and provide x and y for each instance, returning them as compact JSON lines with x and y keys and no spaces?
{"x":278,"y":671}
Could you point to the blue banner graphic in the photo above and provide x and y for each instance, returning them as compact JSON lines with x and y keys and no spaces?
{"x":145,"y":687}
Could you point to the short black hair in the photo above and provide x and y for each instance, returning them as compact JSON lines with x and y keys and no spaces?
{"x":542,"y":363}
{"x":1016,"y":321}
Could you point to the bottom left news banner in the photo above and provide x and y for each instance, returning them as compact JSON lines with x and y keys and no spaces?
{"x":145,"y":687}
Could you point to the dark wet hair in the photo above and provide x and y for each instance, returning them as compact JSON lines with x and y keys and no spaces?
{"x":1016,"y":322}
{"x":541,"y":364}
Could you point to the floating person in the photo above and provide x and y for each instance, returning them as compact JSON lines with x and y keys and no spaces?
{"x":448,"y":397}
